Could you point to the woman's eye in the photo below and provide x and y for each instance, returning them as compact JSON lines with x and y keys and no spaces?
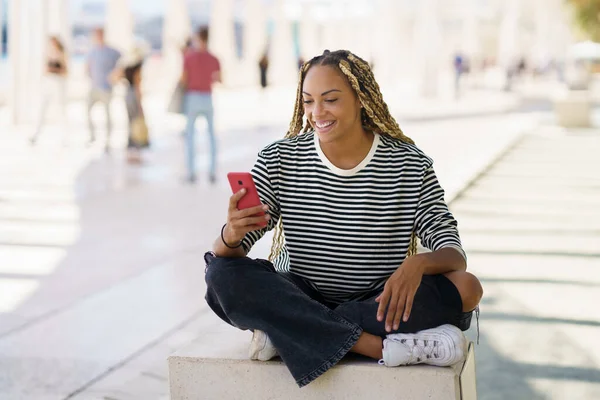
{"x":307,"y":101}
{"x":331,"y":101}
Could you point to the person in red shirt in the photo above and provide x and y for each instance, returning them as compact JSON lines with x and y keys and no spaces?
{"x":200,"y":70}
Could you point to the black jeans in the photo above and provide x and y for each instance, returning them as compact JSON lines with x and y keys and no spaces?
{"x":310,"y":334}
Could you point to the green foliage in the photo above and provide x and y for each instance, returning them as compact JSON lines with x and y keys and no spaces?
{"x":587,"y":15}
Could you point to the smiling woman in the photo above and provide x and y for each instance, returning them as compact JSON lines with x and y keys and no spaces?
{"x":351,"y":192}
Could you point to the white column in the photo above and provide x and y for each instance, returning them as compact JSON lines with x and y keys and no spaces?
{"x":1,"y":26}
{"x":310,"y":45}
{"x":470,"y":31}
{"x":177,"y":29}
{"x":333,"y":35}
{"x":221,"y":39}
{"x":542,"y":34}
{"x":283,"y":67}
{"x":361,"y":37}
{"x":360,"y":23}
{"x":386,"y":56}
{"x":255,"y":41}
{"x":427,"y":37}
{"x":28,"y":38}
{"x":16,"y":37}
{"x":335,"y":27}
{"x":119,"y":25}
{"x":508,"y":46}
{"x":58,"y":21}
{"x":562,"y":34}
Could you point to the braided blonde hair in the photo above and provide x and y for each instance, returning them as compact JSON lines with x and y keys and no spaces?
{"x":375,"y":115}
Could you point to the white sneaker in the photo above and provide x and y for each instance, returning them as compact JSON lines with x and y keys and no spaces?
{"x":261,"y":347}
{"x":442,"y":346}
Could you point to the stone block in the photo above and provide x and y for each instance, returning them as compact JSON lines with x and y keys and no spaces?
{"x":573,"y":109}
{"x":217,"y":367}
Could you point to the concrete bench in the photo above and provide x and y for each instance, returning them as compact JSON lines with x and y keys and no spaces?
{"x":573,"y":109}
{"x":216,"y":366}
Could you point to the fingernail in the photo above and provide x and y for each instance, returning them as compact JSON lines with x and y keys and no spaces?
{"x":267,"y":217}
{"x":379,"y":318}
{"x":265,"y":208}
{"x":387,"y":328}
{"x":243,"y":190}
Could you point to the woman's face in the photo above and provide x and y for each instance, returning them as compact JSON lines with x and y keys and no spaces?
{"x":330,"y":103}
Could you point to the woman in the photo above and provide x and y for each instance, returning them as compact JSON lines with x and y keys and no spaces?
{"x":55,"y":83}
{"x":131,"y":71}
{"x":350,"y":192}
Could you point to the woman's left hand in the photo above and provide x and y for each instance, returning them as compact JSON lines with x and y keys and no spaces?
{"x":399,"y":292}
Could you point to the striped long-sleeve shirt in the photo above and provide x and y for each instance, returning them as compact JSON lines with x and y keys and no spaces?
{"x":347,"y":231}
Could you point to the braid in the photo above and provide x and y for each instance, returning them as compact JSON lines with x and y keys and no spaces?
{"x":376,"y":116}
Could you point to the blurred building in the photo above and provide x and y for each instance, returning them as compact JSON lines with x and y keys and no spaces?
{"x":401,"y":38}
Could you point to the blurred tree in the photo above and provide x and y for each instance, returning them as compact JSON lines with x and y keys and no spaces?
{"x":587,"y":15}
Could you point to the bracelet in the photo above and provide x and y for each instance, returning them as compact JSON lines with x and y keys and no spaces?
{"x":223,"y":239}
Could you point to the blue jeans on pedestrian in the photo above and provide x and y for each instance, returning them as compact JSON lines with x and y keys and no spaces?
{"x":311,"y":334}
{"x":199,"y":104}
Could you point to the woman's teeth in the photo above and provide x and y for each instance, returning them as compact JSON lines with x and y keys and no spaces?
{"x":322,"y":125}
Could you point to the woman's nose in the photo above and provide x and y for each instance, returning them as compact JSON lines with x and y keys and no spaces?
{"x":318,"y":109}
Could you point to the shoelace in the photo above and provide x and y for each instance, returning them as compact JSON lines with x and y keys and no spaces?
{"x":419,"y":349}
{"x":477,"y":317}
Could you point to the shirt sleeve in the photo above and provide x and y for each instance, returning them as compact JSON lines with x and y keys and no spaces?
{"x":267,"y":195}
{"x":435,"y":224}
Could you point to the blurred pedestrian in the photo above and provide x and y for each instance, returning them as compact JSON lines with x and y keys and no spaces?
{"x":175,"y":104}
{"x":54,"y":85}
{"x":263,"y":65}
{"x":131,"y":71}
{"x":200,"y":70}
{"x":521,"y":67}
{"x":459,"y":69}
{"x":101,"y":62}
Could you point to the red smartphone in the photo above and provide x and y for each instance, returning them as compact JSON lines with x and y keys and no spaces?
{"x":243,"y":180}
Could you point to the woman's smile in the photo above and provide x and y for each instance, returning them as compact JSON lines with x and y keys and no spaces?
{"x":324,"y":126}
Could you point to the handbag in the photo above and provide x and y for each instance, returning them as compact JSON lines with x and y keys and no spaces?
{"x":176,"y":102}
{"x":139,"y":132}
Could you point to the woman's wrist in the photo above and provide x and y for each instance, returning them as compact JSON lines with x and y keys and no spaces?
{"x":416,"y":261}
{"x":228,"y":239}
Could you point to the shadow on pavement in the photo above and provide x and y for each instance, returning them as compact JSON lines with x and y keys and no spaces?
{"x":543,"y":320}
{"x":535,"y":281}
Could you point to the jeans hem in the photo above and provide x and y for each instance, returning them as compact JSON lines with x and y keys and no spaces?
{"x":350,"y":342}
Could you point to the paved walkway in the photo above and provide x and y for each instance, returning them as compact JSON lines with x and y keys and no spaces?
{"x":531,"y":227}
{"x":101,"y":273}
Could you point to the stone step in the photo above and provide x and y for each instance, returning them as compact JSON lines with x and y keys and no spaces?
{"x":216,"y":366}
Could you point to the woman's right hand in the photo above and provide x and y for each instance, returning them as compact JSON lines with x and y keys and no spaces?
{"x":240,"y":222}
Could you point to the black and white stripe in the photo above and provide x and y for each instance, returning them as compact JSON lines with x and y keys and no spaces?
{"x":348,"y":231}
